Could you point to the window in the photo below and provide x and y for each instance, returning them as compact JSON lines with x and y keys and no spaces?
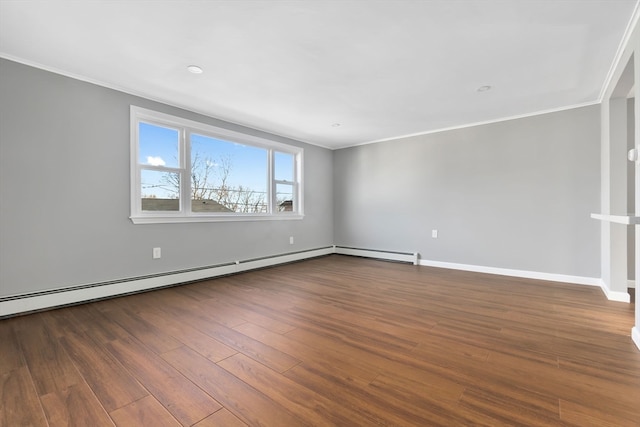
{"x":185,"y":171}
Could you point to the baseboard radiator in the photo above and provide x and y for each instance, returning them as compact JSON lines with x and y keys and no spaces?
{"x":410,"y":257}
{"x":24,"y":303}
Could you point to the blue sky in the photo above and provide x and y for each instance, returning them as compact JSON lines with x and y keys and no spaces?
{"x":158,"y":146}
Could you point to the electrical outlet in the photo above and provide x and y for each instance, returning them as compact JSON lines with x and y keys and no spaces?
{"x":157,"y":253}
{"x":291,"y":240}
{"x":434,"y":234}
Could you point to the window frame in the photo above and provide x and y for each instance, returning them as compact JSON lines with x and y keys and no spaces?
{"x":184,"y":213}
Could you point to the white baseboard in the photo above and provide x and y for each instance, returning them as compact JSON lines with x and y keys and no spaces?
{"x":635,"y":336}
{"x":615,"y":295}
{"x":77,"y":294}
{"x":631,"y":284}
{"x":58,"y":297}
{"x":411,"y":257}
{"x":563,"y":278}
{"x":281,"y":259}
{"x":580,"y":280}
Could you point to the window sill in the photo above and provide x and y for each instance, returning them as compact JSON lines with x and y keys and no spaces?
{"x":167,"y":219}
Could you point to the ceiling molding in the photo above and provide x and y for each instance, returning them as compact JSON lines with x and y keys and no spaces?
{"x":385,"y":71}
{"x":631,"y":26}
{"x":186,"y":108}
{"x":110,"y":86}
{"x":482,"y":123}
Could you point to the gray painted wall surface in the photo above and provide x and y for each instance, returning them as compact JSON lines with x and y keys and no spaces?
{"x":631,"y":191}
{"x":64,"y":183}
{"x":515,"y":194}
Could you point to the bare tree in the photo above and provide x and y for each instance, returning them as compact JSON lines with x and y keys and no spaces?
{"x":245,"y":200}
{"x":210,"y":181}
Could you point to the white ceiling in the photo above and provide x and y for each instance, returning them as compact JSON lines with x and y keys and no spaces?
{"x":381,"y":69}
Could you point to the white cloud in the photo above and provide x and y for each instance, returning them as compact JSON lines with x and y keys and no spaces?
{"x":155,"y":161}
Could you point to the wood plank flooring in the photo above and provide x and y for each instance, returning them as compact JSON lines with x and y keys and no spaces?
{"x":333,"y":341}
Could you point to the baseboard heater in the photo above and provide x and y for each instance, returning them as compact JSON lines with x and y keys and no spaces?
{"x":410,"y":257}
{"x":24,"y":303}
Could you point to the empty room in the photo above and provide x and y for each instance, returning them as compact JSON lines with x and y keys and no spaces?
{"x":319,"y":213}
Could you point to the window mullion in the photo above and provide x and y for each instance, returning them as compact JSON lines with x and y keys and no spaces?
{"x":185,"y":175}
{"x":297,"y":179}
{"x":271,"y":183}
{"x":164,"y":174}
{"x":159,"y":168}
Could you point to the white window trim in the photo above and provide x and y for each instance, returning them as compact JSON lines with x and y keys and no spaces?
{"x":184,"y":214}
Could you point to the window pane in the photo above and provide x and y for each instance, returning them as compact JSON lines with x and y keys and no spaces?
{"x":158,"y":145}
{"x":160,"y":191}
{"x":208,"y":205}
{"x":283,"y":166}
{"x":227,"y":176}
{"x":284,"y":197}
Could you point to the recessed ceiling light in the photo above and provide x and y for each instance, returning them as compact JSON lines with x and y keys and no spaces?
{"x":335,"y":125}
{"x":484,"y":88}
{"x":194,"y":69}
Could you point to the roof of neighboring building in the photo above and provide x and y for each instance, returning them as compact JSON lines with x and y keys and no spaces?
{"x":154,"y":204}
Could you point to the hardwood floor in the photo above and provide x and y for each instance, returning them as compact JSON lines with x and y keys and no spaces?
{"x":330,"y":341}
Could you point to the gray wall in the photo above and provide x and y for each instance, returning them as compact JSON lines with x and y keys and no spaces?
{"x":515,"y":194}
{"x":64,"y":183}
{"x":631,"y":191}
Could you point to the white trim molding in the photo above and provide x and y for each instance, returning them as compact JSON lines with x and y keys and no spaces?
{"x":618,"y":219}
{"x":183,"y":132}
{"x":635,"y":336}
{"x":480,"y":123}
{"x":615,"y":295}
{"x":580,"y":280}
{"x":411,"y":257}
{"x":147,"y":96}
{"x":553,"y":277}
{"x":17,"y":304}
{"x":628,"y":32}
